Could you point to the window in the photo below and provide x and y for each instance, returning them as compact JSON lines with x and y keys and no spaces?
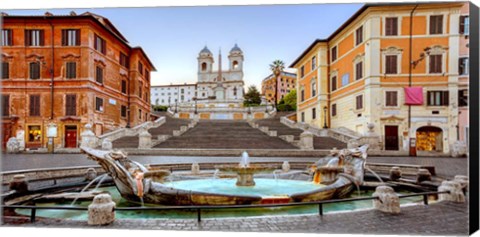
{"x":124,"y":87}
{"x":147,"y":75}
{"x":463,"y":66}
{"x":71,"y":70}
{"x":334,"y":83}
{"x":435,"y":63}
{"x":34,"y":70}
{"x":464,"y":25}
{"x":123,"y":60}
{"x":140,"y":68}
{"x":463,"y":98}
{"x":359,"y":102}
{"x":235,"y":64}
{"x":437,"y":98}
{"x":436,"y":24}
{"x":359,"y":35}
{"x":302,"y":95}
{"x":70,"y":105}
{"x":391,"y":26}
{"x":358,"y":70}
{"x":391,"y":64}
{"x":5,"y":70}
{"x":139,"y":114}
{"x":314,"y":88}
{"x":140,"y":86}
{"x":6,"y":105}
{"x":302,"y":71}
{"x":123,"y":111}
{"x":314,"y":62}
{"x":70,"y":37}
{"x":100,"y":44}
{"x":204,"y":66}
{"x":182,"y":90}
{"x":34,"y":105}
{"x":303,"y":117}
{"x":334,"y":54}
{"x":345,"y":79}
{"x":334,"y":109}
{"x":99,"y":104}
{"x":7,"y":37}
{"x":391,"y":98}
{"x":34,"y":38}
{"x":34,"y":133}
{"x":99,"y":75}
{"x":314,"y":113}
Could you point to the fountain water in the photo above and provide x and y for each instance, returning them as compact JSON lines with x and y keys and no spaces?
{"x":245,"y":162}
{"x":374,"y":174}
{"x":101,"y":178}
{"x":215,"y":174}
{"x":275,"y":174}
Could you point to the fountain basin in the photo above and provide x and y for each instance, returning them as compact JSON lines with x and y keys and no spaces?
{"x":245,"y":174}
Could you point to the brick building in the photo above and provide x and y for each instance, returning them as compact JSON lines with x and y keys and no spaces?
{"x":286,"y":83}
{"x":364,"y":72}
{"x":69,"y":70}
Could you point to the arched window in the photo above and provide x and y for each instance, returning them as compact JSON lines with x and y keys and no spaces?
{"x":204,"y":66}
{"x":235,"y":91}
{"x":235,"y":64}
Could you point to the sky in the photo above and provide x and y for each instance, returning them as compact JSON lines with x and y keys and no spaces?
{"x":172,"y":37}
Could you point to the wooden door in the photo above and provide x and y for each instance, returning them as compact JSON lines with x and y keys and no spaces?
{"x":6,"y":133}
{"x":391,"y":138}
{"x":71,"y":136}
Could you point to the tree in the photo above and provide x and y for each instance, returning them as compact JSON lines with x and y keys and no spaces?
{"x":277,"y":67}
{"x":252,"y":97}
{"x":288,"y":102}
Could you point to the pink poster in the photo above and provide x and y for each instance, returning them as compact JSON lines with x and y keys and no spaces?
{"x":413,"y":95}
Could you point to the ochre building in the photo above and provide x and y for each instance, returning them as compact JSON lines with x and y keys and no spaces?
{"x":69,"y":70}
{"x":364,"y":72}
{"x":285,"y":83}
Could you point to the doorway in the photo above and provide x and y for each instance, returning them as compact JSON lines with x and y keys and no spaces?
{"x":429,"y":138}
{"x":391,"y":138}
{"x":71,"y":136}
{"x":6,"y":133}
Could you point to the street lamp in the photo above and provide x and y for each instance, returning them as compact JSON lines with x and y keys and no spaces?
{"x":195,"y":99}
{"x":176,"y":105}
{"x":325,"y":117}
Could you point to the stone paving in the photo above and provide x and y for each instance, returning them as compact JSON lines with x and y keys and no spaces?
{"x":444,"y":218}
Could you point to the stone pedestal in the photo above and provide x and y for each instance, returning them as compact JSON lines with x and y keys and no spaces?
{"x":144,"y":139}
{"x":195,"y":168}
{"x":285,"y":166}
{"x":90,"y":174}
{"x":102,"y":210}
{"x":19,"y":183}
{"x":306,"y":141}
{"x":395,"y":173}
{"x":88,"y":137}
{"x":387,"y":201}
{"x":21,"y":139}
{"x":463,"y":180}
{"x":423,"y":175}
{"x":459,"y":149}
{"x":107,"y":144}
{"x":455,"y":189}
{"x":13,"y":146}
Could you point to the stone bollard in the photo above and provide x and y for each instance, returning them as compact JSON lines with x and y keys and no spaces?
{"x":387,"y":201}
{"x":107,"y":144}
{"x":102,"y":210}
{"x":195,"y":168}
{"x":306,"y":141}
{"x":144,"y":139}
{"x":90,"y":174}
{"x":285,"y":166}
{"x":19,"y":183}
{"x":423,"y":175}
{"x":88,"y":137}
{"x":13,"y":145}
{"x":463,"y":180}
{"x":455,"y":189}
{"x":395,"y":173}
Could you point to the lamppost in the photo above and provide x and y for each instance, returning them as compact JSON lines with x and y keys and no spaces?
{"x":195,"y":99}
{"x":176,"y":105}
{"x":325,"y":117}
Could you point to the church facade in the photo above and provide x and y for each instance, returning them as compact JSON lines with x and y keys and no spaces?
{"x":220,"y":85}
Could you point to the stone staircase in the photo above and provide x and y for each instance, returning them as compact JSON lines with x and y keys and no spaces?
{"x":283,"y":131}
{"x":159,"y":134}
{"x":224,"y":134}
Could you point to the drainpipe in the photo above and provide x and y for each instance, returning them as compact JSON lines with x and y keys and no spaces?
{"x":411,"y":151}
{"x":52,"y":70}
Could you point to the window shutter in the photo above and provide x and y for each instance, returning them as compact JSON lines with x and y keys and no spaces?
{"x":95,"y":46}
{"x":10,"y":37}
{"x":462,"y":25}
{"x":77,"y":37}
{"x":27,"y":38}
{"x":446,"y":98}
{"x":64,"y":37}
{"x":42,"y":37}
{"x":438,"y":63}
{"x":394,"y":30}
{"x":104,"y":45}
{"x":440,"y":24}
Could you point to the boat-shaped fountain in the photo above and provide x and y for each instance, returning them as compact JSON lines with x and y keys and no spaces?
{"x":331,"y":177}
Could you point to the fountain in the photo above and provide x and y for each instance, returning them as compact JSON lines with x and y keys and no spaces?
{"x":245,"y":171}
{"x":335,"y":176}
